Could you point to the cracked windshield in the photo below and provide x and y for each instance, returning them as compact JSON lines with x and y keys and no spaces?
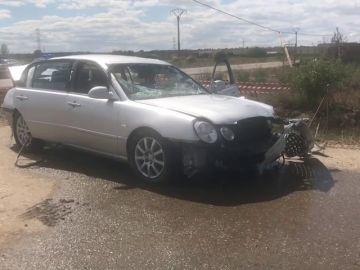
{"x":149,"y":81}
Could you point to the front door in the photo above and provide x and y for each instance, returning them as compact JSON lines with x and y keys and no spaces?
{"x":95,"y":122}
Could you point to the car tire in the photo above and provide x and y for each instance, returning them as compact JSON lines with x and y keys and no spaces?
{"x":23,"y":138}
{"x":152,"y":158}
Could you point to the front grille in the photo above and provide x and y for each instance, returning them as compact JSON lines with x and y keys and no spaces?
{"x":252,"y":130}
{"x":252,"y":137}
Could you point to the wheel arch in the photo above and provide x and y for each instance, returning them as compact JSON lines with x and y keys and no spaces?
{"x":15,"y":113}
{"x":136,"y":132}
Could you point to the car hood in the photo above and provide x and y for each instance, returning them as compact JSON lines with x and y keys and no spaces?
{"x":216,"y":108}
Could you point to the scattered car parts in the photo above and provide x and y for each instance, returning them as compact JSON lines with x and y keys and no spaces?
{"x":297,"y":139}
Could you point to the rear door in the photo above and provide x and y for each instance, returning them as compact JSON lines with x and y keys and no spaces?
{"x":94,"y":121}
{"x":41,"y":99}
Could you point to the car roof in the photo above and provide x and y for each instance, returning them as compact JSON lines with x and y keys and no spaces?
{"x":108,"y":59}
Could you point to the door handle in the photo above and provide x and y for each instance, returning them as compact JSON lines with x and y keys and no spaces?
{"x":22,"y":97}
{"x":74,"y":104}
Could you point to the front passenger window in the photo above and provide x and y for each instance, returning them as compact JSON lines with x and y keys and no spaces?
{"x":88,"y":76}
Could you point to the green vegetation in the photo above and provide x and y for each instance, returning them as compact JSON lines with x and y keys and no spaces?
{"x":337,"y":84}
{"x":315,"y":79}
{"x":256,"y":52}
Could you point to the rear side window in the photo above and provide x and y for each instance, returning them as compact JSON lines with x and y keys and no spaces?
{"x":52,"y":76}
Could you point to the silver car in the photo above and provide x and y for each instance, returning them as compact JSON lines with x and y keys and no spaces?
{"x":143,"y":111}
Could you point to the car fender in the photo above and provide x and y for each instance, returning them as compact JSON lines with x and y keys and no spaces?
{"x":8,"y":106}
{"x":175,"y":126}
{"x":9,"y":103}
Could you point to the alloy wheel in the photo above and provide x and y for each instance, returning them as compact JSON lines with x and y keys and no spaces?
{"x":22,"y":132}
{"x":149,"y":157}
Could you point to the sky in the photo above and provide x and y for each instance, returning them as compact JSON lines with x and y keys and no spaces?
{"x":108,"y":25}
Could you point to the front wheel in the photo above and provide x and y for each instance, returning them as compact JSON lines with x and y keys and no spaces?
{"x":151,"y":157}
{"x":22,"y":135}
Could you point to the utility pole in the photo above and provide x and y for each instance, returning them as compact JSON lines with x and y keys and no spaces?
{"x":174,"y":43}
{"x":178,"y":12}
{"x":38,"y":38}
{"x":296,"y":44}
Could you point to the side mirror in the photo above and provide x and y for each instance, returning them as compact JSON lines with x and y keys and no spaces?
{"x":217,"y":86}
{"x":101,"y":92}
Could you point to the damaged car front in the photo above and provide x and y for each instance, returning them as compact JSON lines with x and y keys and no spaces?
{"x":228,"y":132}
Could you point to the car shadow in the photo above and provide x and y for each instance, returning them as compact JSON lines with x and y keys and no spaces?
{"x":222,"y":189}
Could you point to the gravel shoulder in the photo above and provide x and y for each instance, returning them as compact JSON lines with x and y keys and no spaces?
{"x":19,"y":190}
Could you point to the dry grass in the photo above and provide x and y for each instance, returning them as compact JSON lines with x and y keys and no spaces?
{"x":2,"y":96}
{"x":349,"y":99}
{"x":341,"y":127}
{"x":2,"y":117}
{"x":192,"y":61}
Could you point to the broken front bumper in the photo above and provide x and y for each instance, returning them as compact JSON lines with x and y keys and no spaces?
{"x":261,"y":155}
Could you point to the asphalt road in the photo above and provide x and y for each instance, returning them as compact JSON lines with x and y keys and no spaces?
{"x":306,"y":216}
{"x":205,"y":70}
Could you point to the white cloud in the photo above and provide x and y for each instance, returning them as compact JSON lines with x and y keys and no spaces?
{"x":18,"y":3}
{"x":125,"y":24}
{"x":5,"y":14}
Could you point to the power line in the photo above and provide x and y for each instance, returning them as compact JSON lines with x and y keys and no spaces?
{"x":254,"y":23}
{"x":239,"y":18}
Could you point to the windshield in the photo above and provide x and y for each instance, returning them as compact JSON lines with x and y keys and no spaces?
{"x":150,"y":81}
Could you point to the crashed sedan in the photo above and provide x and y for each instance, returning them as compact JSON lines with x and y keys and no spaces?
{"x":143,"y":111}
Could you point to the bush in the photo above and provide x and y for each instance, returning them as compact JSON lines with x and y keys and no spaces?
{"x":256,"y":52}
{"x":191,"y":59}
{"x":221,"y":56}
{"x":243,"y":76}
{"x":260,"y":75}
{"x":315,"y":78}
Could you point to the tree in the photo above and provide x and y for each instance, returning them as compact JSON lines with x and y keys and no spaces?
{"x":337,"y":39}
{"x":4,"y":49}
{"x":37,"y":53}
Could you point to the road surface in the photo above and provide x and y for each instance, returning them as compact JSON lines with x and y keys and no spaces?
{"x":78,"y":211}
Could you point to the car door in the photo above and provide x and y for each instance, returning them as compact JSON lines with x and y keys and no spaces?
{"x":95,"y":122}
{"x":41,"y":99}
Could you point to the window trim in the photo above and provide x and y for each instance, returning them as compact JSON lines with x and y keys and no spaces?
{"x":76,"y":67}
{"x":36,"y":64}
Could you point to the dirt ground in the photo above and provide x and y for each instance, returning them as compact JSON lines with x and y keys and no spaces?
{"x":21,"y":190}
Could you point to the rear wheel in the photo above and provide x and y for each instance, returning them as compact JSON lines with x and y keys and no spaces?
{"x":151,"y":157}
{"x":22,"y":135}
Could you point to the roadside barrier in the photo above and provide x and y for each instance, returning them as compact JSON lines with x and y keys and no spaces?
{"x":255,"y":88}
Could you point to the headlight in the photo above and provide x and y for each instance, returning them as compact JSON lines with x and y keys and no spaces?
{"x":227,"y":133}
{"x":206,"y":131}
